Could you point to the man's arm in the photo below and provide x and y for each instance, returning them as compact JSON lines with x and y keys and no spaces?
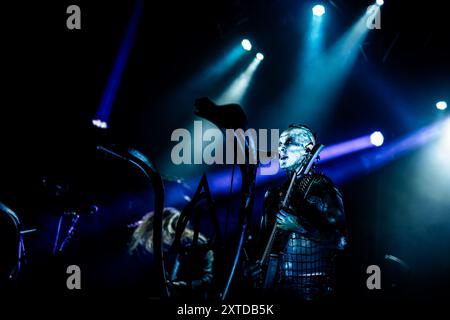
{"x":207,"y":272}
{"x":326,"y":213}
{"x":322,"y":217}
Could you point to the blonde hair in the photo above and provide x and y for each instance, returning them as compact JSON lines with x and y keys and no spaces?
{"x":143,"y":235}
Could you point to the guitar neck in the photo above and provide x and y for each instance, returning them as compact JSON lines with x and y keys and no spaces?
{"x":269,"y":245}
{"x":303,"y":169}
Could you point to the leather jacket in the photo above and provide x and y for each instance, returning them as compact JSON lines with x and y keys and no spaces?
{"x":306,"y":266}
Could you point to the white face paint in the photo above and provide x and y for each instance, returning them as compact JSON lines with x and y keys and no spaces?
{"x":292,"y":148}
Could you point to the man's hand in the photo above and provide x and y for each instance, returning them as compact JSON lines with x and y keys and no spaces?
{"x":253,"y":271}
{"x":288,"y":222}
{"x":253,"y":274}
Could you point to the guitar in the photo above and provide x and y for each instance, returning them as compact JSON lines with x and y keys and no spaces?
{"x":270,"y":260}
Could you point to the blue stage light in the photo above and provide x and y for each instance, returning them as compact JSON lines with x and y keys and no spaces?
{"x":377,"y":138}
{"x":259,"y":56}
{"x":318,"y":10}
{"x":441,"y":105}
{"x":100,"y":124}
{"x":246,"y":44}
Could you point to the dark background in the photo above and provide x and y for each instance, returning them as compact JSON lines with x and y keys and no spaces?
{"x":53,"y":82}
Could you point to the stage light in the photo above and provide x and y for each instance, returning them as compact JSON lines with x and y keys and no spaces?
{"x":318,"y":10}
{"x":380,"y":3}
{"x":237,"y":89}
{"x":246,"y":44}
{"x":113,"y":84}
{"x":441,"y":105}
{"x":447,"y":131}
{"x":377,"y":138}
{"x":345,"y":148}
{"x":259,"y":56}
{"x":445,"y":143}
{"x":100,"y":124}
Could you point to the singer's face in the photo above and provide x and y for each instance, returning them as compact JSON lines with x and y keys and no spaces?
{"x":292,"y":149}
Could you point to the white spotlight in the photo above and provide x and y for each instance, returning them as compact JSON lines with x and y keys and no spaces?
{"x":446,"y":136}
{"x":380,"y":3}
{"x":377,"y":138}
{"x":100,"y":124}
{"x":441,"y":105}
{"x":259,"y":56}
{"x":246,"y":44}
{"x":318,"y":10}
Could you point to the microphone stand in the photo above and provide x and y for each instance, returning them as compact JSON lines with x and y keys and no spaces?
{"x":70,"y":232}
